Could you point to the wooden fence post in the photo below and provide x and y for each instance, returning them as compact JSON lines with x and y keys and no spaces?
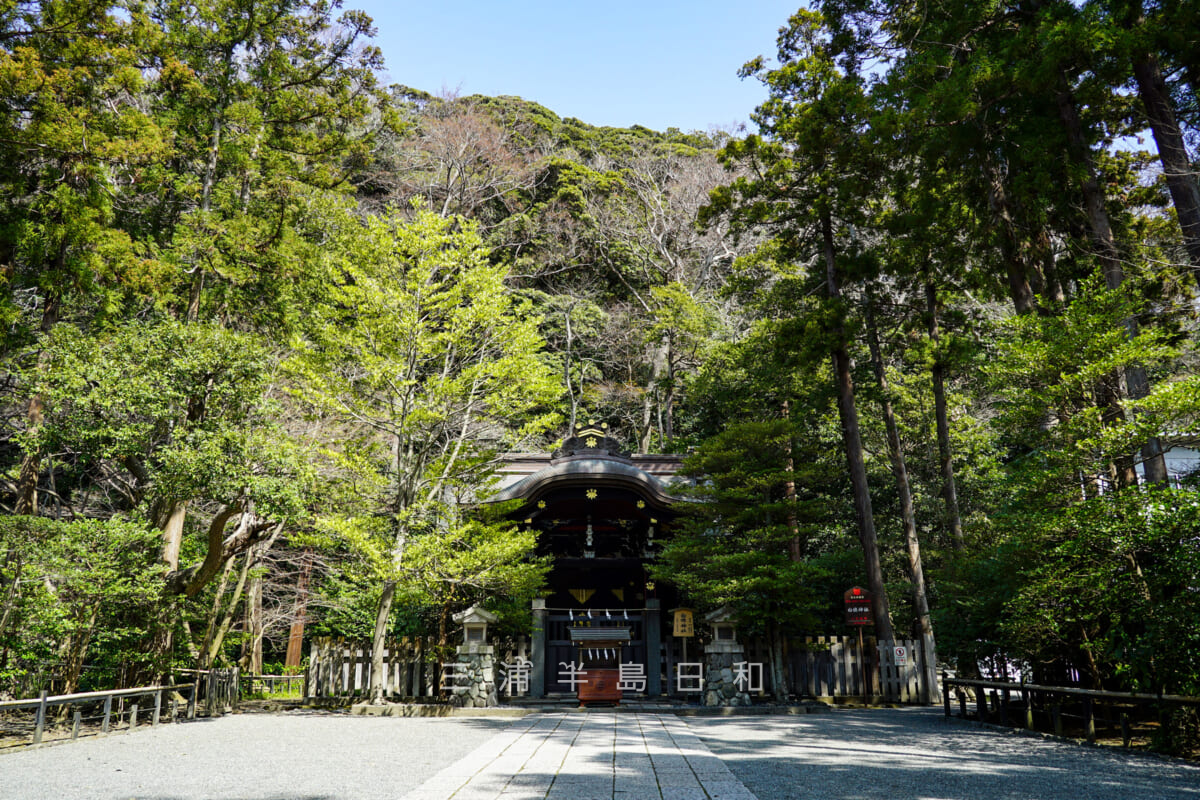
{"x":75,"y":725}
{"x":157,"y":708}
{"x":107,"y":714}
{"x":133,"y":709}
{"x":40,"y":724}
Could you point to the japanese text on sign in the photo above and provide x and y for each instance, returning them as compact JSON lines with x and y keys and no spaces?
{"x":858,"y":607}
{"x":684,"y":622}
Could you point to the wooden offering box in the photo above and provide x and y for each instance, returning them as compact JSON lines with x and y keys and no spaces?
{"x":600,"y":653}
{"x":603,"y":686}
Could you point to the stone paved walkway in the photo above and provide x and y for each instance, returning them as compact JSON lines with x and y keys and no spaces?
{"x":595,"y":756}
{"x":878,"y":754}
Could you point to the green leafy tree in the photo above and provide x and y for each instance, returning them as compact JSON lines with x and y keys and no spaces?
{"x":177,"y":414}
{"x":427,"y":359}
{"x":68,"y":588}
{"x":271,"y":105}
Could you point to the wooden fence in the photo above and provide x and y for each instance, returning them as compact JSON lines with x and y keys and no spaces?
{"x":338,"y":668}
{"x":834,"y":667}
{"x":217,"y":691}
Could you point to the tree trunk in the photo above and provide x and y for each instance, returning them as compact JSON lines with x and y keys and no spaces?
{"x":76,"y":648}
{"x":1100,"y":228}
{"x":1172,"y":152}
{"x":10,"y":601}
{"x":205,"y":659}
{"x":171,"y":523}
{"x":1011,"y":247}
{"x":253,"y":623}
{"x":852,"y":440}
{"x":907,"y":515}
{"x":160,"y":644}
{"x":778,"y":674}
{"x":31,"y":461}
{"x":378,"y":639}
{"x":295,"y":646}
{"x":668,"y":402}
{"x":231,"y":609}
{"x":657,"y":366}
{"x":945,"y":454}
{"x":795,"y":545}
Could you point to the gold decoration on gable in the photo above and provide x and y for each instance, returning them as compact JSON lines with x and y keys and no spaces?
{"x":582,"y":595}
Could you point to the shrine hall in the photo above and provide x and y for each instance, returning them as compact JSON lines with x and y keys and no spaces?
{"x":601,"y":515}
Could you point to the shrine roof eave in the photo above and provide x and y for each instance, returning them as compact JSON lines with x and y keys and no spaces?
{"x":588,"y":471}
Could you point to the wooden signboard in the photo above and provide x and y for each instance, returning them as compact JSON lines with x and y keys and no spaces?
{"x":858,"y":606}
{"x":684,"y":622}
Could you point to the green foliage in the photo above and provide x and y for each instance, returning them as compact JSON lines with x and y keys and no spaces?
{"x":182,"y":407}
{"x":70,"y":587}
{"x":1104,"y":585}
{"x":429,"y":361}
{"x":474,"y":561}
{"x":1053,"y":375}
{"x":735,"y":538}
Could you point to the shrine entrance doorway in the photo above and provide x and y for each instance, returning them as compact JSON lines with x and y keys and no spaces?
{"x":601,"y":516}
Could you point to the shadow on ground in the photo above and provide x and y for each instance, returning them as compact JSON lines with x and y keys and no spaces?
{"x":916,"y":753}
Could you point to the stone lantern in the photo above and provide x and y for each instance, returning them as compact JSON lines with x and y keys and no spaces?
{"x":724,"y":626}
{"x":475,"y":672}
{"x":726,"y":671}
{"x":475,"y":621}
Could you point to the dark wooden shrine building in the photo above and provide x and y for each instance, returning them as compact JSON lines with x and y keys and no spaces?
{"x":601,"y":515}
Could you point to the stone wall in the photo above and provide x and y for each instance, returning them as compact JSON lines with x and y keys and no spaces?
{"x":475,"y":681}
{"x":720,"y":687}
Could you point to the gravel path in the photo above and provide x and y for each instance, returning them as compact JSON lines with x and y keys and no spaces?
{"x":894,"y":754}
{"x":249,"y":757}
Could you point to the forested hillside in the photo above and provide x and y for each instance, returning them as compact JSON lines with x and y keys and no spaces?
{"x":268,"y":322}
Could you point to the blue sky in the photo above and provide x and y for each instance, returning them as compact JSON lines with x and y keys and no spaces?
{"x":620,"y":62}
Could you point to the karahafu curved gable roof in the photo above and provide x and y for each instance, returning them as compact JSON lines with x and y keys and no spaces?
{"x":590,"y":471}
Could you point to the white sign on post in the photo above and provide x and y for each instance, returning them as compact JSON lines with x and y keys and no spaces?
{"x":901,"y":656}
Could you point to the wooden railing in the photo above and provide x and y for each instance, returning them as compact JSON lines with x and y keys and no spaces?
{"x":273,"y":684}
{"x":1060,"y":709}
{"x":107,"y":717}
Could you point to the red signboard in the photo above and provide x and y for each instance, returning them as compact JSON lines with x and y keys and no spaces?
{"x":858,"y":607}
